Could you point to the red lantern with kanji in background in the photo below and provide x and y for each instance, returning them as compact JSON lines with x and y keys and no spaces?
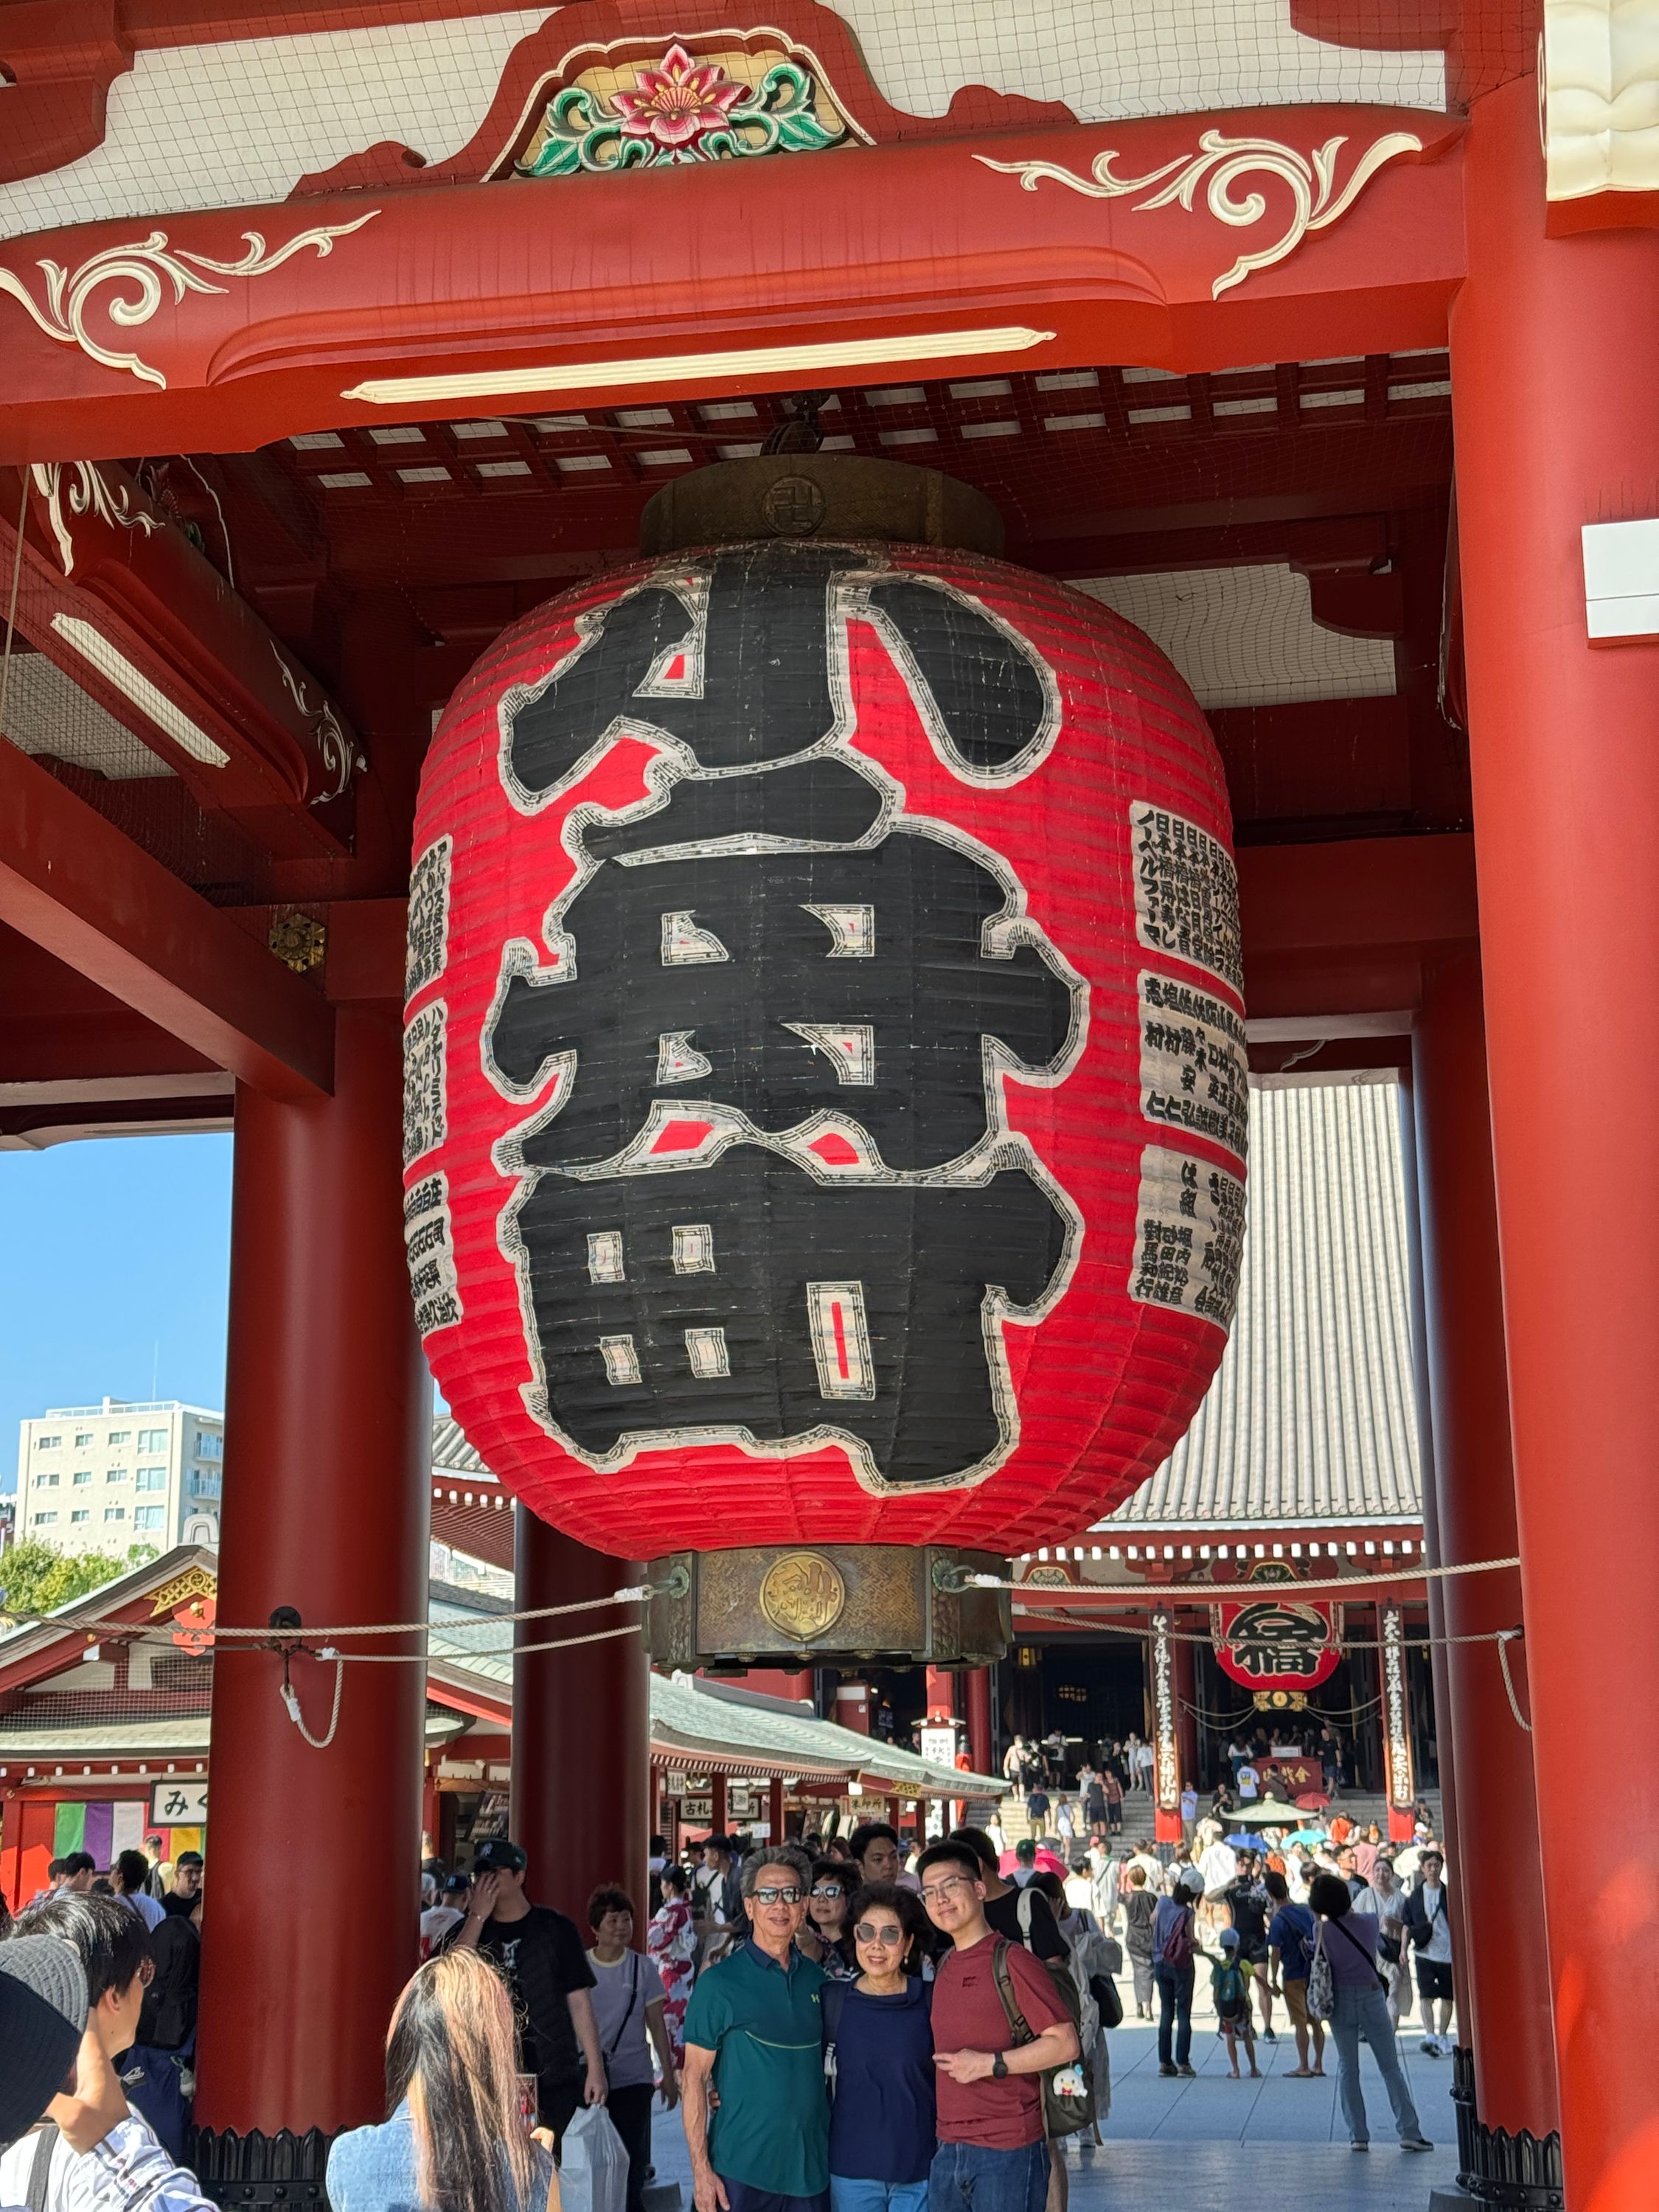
{"x":826,"y":1091}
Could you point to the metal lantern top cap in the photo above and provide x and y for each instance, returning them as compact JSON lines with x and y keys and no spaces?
{"x":832,"y":495}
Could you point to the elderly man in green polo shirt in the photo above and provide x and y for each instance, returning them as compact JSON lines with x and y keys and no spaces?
{"x":752,"y":2028}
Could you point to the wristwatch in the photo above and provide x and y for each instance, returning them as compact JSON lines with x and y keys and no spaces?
{"x":999,"y":2067}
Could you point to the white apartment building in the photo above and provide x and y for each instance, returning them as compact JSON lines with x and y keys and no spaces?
{"x":100,"y":1477}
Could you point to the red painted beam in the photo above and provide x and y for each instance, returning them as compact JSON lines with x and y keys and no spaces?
{"x":1366,"y":894}
{"x":357,"y":298}
{"x":74,"y":885}
{"x":117,"y":595}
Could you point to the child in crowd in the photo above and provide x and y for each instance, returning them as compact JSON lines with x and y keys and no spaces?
{"x":1229,"y":1992}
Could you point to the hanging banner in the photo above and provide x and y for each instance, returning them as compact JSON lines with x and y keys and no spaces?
{"x":1166,"y":1740}
{"x":1399,"y":1780}
{"x":1277,"y":1643}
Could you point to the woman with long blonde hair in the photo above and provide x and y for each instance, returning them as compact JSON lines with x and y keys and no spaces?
{"x":455,"y":2137}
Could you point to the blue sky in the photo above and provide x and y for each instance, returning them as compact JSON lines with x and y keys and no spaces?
{"x":117,"y":1259}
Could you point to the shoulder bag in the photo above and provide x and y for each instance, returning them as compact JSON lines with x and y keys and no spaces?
{"x":611,"y":2048}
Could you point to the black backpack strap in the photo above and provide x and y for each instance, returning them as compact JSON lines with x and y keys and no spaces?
{"x":40,"y":2167}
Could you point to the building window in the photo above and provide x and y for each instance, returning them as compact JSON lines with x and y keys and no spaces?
{"x":203,"y":1485}
{"x":150,"y":1516}
{"x":81,"y":1474}
{"x":209,"y":1447}
{"x":152,"y":1439}
{"x":152,"y":1478}
{"x":45,"y":1520}
{"x":120,"y":1436}
{"x":47,"y":1444}
{"x":47,"y":1482}
{"x":83,"y":1437}
{"x":84,"y":1514}
{"x":115,"y":1513}
{"x":115,"y":1474}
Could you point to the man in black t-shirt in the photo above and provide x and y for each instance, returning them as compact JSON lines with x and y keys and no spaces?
{"x":542,"y":1956}
{"x":1247,"y":1902}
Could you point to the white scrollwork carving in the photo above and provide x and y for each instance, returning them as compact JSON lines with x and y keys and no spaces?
{"x":1220,"y":164}
{"x":145,"y":269}
{"x":339,"y":757}
{"x":80,"y":487}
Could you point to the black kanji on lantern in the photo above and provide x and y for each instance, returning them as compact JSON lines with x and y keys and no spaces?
{"x":1270,"y":1639}
{"x":868,"y":984}
{"x":765,"y":948}
{"x":685,"y":658}
{"x":745,"y":1295}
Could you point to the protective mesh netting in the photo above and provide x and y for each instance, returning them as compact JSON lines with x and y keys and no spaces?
{"x":205,"y":123}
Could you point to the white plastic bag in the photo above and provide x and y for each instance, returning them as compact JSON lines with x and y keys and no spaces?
{"x":592,"y":2163}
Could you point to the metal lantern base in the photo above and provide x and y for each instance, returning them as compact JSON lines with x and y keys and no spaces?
{"x":827,"y":1605}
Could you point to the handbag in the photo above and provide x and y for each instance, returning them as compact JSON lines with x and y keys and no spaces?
{"x":1322,"y":1984}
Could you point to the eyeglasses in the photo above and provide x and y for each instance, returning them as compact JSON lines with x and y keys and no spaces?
{"x":865,"y":1932}
{"x":945,"y":1889}
{"x":827,"y":1889}
{"x":789,"y":1894}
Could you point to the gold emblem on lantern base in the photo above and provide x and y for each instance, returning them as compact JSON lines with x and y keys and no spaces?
{"x":802,"y":1595}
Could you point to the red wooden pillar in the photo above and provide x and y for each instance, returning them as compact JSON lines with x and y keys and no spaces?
{"x":581,"y":1727}
{"x":1504,"y":1984}
{"x":717,"y":1805}
{"x":775,"y":1809}
{"x":1552,"y":344}
{"x":982,"y":1748}
{"x":941,"y":1695}
{"x":328,"y":1419}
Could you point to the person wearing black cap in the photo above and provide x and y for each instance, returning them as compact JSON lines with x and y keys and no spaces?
{"x":542,"y":1955}
{"x":44,"y":2032}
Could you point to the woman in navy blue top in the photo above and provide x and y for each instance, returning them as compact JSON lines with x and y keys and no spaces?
{"x":878,"y":2039}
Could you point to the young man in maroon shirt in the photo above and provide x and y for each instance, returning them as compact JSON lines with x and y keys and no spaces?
{"x":991,"y":2156}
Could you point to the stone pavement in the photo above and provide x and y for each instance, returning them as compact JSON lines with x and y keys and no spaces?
{"x":1269,"y":2146}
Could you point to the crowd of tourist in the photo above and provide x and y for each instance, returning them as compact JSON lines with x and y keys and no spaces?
{"x":843,"y":2031}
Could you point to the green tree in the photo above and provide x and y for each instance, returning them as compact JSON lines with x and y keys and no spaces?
{"x":35,"y":1578}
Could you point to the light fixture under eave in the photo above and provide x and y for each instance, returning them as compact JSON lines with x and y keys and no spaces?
{"x":693,"y":367}
{"x":115,"y":668}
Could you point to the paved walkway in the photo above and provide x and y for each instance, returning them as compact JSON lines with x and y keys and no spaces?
{"x":1269,"y":2146}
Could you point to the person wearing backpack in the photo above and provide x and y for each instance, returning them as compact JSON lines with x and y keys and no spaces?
{"x":1290,"y":1949}
{"x":1343,"y":1975}
{"x":1229,"y":1993}
{"x":1000,"y":2025}
{"x":1175,"y":1940}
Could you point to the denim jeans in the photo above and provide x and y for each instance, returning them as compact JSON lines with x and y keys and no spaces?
{"x":1362,"y":2016}
{"x":1174,"y":2013}
{"x":968,"y":2178}
{"x":848,"y":2194}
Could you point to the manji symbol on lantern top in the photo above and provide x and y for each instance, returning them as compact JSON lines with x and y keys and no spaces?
{"x":826,"y":1093}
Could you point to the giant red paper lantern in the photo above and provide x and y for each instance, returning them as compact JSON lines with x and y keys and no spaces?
{"x":826,"y":1083}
